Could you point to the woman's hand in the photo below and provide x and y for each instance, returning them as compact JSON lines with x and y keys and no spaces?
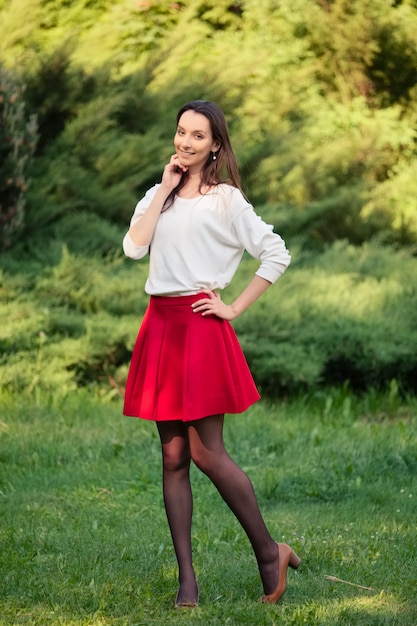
{"x":173,"y":172}
{"x":213,"y":305}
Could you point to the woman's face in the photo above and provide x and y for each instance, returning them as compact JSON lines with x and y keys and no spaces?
{"x":193,"y":140}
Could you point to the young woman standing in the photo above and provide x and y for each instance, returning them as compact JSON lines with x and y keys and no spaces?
{"x":187,"y":367}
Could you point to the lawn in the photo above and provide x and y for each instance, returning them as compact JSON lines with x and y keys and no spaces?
{"x":84,"y":539}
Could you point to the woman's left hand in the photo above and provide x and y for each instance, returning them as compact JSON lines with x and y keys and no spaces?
{"x":213,"y":305}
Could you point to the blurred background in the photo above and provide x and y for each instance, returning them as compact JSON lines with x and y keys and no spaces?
{"x":321,"y":101}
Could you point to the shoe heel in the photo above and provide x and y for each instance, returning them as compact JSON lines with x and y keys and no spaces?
{"x":294,"y":561}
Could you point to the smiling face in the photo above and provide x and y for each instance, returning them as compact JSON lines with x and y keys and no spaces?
{"x":194,"y":141}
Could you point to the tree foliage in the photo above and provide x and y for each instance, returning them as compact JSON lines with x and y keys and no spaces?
{"x":18,"y":135}
{"x":321,"y":100}
{"x":320,"y":97}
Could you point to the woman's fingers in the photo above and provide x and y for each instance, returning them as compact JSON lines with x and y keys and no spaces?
{"x":213,"y":305}
{"x":173,"y":171}
{"x":176,"y":164}
{"x":211,"y":296}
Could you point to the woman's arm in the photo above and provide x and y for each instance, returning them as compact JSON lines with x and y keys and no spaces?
{"x":142,"y":231}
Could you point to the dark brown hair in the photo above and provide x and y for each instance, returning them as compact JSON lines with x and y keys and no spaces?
{"x":225,"y":158}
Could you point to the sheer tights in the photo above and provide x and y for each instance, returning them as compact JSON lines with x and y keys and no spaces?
{"x":202,"y":442}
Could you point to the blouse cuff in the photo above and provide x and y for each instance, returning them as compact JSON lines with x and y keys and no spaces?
{"x":132,"y":250}
{"x":271,"y":274}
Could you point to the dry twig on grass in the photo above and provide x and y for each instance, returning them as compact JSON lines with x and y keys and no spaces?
{"x":346,"y":582}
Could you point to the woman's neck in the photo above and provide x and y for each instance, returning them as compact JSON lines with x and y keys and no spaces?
{"x":192,"y":186}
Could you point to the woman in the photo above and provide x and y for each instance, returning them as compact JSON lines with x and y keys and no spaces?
{"x":187,"y":367}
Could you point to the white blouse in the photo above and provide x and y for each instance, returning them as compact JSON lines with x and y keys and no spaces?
{"x":198,"y":242}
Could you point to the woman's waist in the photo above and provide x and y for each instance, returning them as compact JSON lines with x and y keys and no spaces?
{"x":175,"y":300}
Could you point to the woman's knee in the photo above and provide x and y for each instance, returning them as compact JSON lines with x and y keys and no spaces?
{"x":206,"y":460}
{"x":206,"y":443}
{"x":174,"y":445}
{"x":176,"y":458}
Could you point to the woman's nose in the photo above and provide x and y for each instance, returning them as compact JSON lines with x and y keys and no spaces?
{"x":186,"y":140}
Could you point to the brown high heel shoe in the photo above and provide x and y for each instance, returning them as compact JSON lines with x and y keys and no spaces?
{"x":186,"y":605}
{"x":286,"y":557}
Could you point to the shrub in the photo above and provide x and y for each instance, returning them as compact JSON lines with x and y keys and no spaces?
{"x":347,"y":316}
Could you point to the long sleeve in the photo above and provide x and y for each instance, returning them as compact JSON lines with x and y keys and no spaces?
{"x":129,"y":247}
{"x":260,"y":241}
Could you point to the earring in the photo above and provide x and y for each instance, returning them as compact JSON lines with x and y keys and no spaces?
{"x":214,"y":156}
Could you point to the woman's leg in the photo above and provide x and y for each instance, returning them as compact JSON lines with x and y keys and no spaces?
{"x":179,"y":503}
{"x":209,"y":454}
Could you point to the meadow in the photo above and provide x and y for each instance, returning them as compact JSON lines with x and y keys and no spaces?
{"x":84,"y":539}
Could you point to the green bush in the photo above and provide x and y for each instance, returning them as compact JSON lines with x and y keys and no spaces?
{"x":348,"y":316}
{"x":71,"y":324}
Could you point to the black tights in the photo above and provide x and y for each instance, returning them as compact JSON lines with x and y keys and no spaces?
{"x":202,"y":442}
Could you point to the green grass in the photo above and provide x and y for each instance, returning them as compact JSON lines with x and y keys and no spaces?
{"x":84,"y":539}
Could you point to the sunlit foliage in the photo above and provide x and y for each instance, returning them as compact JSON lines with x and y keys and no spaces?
{"x":321,"y":100}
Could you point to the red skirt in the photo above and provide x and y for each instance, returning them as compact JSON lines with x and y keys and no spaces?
{"x":185,"y":366}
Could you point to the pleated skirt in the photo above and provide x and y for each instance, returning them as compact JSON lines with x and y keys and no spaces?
{"x":185,"y":366}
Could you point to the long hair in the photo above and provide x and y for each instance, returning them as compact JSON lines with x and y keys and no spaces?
{"x":225,"y":158}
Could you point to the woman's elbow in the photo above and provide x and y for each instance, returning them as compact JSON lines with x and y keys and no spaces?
{"x":133,"y":251}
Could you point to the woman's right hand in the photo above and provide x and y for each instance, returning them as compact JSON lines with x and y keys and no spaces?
{"x":173,"y":172}
{"x":141,"y":232}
